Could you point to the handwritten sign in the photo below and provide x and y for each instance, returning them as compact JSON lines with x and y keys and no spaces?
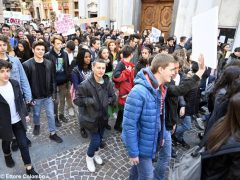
{"x":65,"y":24}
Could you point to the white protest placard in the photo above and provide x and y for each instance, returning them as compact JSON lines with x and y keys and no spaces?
{"x":155,"y":34}
{"x":204,"y":36}
{"x":222,"y":39}
{"x":12,"y":17}
{"x":65,"y":24}
{"x":127,"y":29}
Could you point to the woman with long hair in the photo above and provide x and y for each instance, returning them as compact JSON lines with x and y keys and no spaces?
{"x":113,"y":51}
{"x":222,"y":158}
{"x":23,"y":51}
{"x":80,"y":72}
{"x":222,"y":86}
{"x":104,"y":54}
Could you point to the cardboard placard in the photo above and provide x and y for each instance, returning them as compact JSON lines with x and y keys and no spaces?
{"x":204,"y":37}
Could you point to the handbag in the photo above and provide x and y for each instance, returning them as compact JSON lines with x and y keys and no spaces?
{"x":188,"y":167}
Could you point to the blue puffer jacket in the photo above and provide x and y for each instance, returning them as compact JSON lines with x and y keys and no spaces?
{"x":141,"y":119}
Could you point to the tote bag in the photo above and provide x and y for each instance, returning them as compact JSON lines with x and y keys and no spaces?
{"x":188,"y":168}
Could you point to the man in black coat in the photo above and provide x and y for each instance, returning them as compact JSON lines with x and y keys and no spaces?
{"x":93,"y":97}
{"x":12,"y":118}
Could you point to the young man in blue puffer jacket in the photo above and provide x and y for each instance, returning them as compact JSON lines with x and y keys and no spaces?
{"x":143,"y":119}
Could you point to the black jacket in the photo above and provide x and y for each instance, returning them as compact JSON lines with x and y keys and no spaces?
{"x":171,"y":100}
{"x":30,"y":69}
{"x":52,"y":56}
{"x":93,"y":100}
{"x":6,"y":132}
{"x":224,"y":164}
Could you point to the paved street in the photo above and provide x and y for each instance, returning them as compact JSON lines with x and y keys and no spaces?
{"x":67,"y":160}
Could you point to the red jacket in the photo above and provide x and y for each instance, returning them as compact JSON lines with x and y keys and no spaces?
{"x":123,"y":77}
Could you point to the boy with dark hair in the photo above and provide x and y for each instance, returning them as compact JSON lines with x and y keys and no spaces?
{"x":183,"y":40}
{"x":133,"y":42}
{"x":18,"y":74}
{"x":94,"y":47}
{"x":123,"y":77}
{"x":12,"y":118}
{"x":41,"y":76}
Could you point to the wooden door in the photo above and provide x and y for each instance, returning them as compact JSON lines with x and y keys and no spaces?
{"x":158,"y":14}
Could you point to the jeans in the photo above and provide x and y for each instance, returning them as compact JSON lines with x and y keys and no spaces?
{"x":164,"y":157}
{"x":63,"y":93}
{"x":20,"y":134}
{"x":184,"y":126}
{"x":95,"y":142}
{"x":142,"y":171}
{"x":49,"y":108}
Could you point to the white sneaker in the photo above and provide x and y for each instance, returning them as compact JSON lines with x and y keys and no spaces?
{"x":71,"y":111}
{"x":200,"y":123}
{"x":90,"y":164}
{"x":97,"y":159}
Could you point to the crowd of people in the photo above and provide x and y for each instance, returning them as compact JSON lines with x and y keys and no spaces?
{"x":154,"y":90}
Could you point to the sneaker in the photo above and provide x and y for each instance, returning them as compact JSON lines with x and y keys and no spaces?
{"x":62,"y":118}
{"x":103,"y":145}
{"x":90,"y":164}
{"x":14,"y":145}
{"x":174,"y":153}
{"x":36,"y":130}
{"x":174,"y":140}
{"x":9,"y":161}
{"x":200,"y":135}
{"x":71,"y":111}
{"x":200,"y":124}
{"x":97,"y":159}
{"x":57,"y":123}
{"x":184,"y":144}
{"x":83,"y":133}
{"x":108,"y":127}
{"x":55,"y":138}
{"x":33,"y":174}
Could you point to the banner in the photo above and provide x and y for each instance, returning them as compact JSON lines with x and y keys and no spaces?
{"x":127,"y":29}
{"x":204,"y":41}
{"x":65,"y":24}
{"x":90,"y":20}
{"x":15,"y":18}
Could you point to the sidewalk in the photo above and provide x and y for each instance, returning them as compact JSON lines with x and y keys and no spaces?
{"x":67,"y":160}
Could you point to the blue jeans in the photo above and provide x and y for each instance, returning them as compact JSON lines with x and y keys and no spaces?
{"x":95,"y":142}
{"x":142,"y":171}
{"x":164,"y":157}
{"x":49,"y":108}
{"x":184,"y":126}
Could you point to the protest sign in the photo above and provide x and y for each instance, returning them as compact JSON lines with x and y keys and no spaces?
{"x":127,"y":29}
{"x":65,"y":24}
{"x":12,"y":17}
{"x":155,"y":34}
{"x":91,"y":20}
{"x":204,"y":41}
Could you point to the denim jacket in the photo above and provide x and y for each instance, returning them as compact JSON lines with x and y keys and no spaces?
{"x":18,"y":74}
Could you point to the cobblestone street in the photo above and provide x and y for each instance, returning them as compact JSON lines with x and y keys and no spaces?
{"x":67,"y":160}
